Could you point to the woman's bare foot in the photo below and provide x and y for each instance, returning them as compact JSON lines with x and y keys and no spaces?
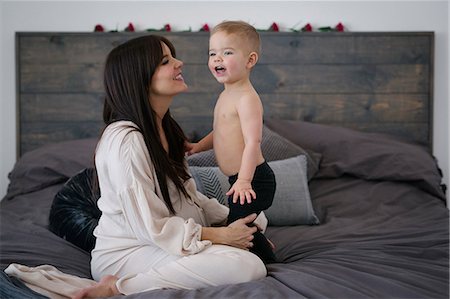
{"x":106,"y":287}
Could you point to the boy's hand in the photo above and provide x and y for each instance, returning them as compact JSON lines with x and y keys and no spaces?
{"x":242,"y":189}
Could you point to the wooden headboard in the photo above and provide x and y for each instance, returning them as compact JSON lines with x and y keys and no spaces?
{"x":370,"y":81}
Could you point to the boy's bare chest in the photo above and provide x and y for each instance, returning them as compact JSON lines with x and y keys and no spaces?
{"x":225,"y":111}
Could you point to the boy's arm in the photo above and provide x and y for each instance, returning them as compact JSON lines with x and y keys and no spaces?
{"x":250,"y":117}
{"x":206,"y":143}
{"x":250,"y":113}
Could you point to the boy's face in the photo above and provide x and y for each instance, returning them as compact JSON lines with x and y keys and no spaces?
{"x":227,"y":57}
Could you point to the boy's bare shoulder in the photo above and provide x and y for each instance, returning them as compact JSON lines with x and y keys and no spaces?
{"x":250,"y":98}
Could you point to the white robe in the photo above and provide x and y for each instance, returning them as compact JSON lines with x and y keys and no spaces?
{"x":138,"y":240}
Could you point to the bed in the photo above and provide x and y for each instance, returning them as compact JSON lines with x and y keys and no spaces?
{"x":360,"y":210}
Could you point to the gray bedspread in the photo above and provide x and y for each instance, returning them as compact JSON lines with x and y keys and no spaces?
{"x":384,"y":229}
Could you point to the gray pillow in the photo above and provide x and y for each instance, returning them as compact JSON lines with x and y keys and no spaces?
{"x":273,"y":146}
{"x":371,"y":156}
{"x":292,"y":203}
{"x":49,"y":165}
{"x":211,"y":182}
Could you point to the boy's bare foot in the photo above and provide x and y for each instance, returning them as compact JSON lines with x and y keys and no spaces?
{"x":106,"y":287}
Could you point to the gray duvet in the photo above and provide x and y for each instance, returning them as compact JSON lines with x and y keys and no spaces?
{"x":383,"y":232}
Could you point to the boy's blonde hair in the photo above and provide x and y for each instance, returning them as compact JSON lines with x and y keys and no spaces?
{"x":243,"y":30}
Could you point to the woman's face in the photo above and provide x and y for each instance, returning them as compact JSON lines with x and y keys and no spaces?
{"x":167,"y":79}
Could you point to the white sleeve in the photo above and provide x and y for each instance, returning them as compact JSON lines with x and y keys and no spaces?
{"x":147,"y":214}
{"x":261,"y":221}
{"x":215,"y":212}
{"x":150,"y":220}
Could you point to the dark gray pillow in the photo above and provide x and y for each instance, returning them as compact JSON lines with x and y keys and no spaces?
{"x":370,"y":156}
{"x":49,"y":165}
{"x":292,"y":203}
{"x":274,"y":147}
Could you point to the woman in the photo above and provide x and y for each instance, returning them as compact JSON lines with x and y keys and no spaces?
{"x":156,"y":231}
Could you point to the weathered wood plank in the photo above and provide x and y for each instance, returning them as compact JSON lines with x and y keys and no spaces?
{"x":311,"y":107}
{"x":411,"y":132}
{"x":336,"y":48}
{"x":38,"y":133}
{"x":360,"y":108}
{"x":88,"y":78}
{"x":278,"y":48}
{"x":342,"y":78}
{"x":193,"y":105}
{"x":92,"y":48}
{"x":61,"y":107}
{"x":79,"y":78}
{"x":89,"y":107}
{"x":35,"y":134}
{"x":266,"y":78}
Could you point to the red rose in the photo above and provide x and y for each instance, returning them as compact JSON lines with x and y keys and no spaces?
{"x":307,"y":28}
{"x":205,"y":28}
{"x":274,"y":27}
{"x":167,"y":28}
{"x":99,"y":28}
{"x":130,"y":27}
{"x":339,"y":27}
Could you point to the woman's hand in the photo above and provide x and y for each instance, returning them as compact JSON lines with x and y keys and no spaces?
{"x":236,"y":234}
{"x":239,"y":234}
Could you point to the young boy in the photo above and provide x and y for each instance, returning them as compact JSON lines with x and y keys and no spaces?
{"x":234,"y":48}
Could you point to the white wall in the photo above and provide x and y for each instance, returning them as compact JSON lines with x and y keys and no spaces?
{"x":355,"y":15}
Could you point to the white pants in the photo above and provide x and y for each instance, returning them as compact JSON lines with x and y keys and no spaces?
{"x":49,"y":281}
{"x":216,"y":265}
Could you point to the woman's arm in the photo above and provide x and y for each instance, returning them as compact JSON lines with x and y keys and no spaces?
{"x":236,"y":234}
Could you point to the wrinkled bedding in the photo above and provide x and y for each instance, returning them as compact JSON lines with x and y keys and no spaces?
{"x":383,"y":229}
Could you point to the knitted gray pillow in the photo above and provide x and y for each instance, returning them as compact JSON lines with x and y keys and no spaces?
{"x":211,"y":182}
{"x":292,"y":202}
{"x":274,"y":147}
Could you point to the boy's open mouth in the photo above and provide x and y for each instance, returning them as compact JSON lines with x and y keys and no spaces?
{"x":219,"y":69}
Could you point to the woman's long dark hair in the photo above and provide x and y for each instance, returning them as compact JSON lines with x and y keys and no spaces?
{"x":128,"y":74}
